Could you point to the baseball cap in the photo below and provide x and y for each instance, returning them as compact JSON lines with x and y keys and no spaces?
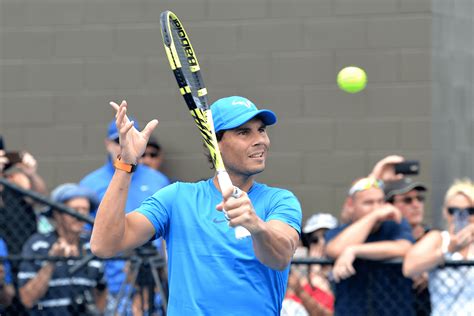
{"x":318,"y":221}
{"x":68,"y":191}
{"x":231,"y":112}
{"x":402,"y":186}
{"x":112,"y":131}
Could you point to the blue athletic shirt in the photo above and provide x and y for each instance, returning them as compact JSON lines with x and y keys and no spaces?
{"x":145,"y":181}
{"x":210,"y":271}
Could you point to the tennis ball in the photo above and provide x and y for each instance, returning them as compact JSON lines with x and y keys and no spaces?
{"x":352,"y":79}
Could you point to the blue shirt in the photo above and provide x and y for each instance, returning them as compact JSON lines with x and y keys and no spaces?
{"x":145,"y":181}
{"x":6,"y":264}
{"x":210,"y":271}
{"x":365,"y":293}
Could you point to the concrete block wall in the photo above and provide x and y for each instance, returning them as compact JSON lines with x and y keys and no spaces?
{"x":61,"y":61}
{"x":453,"y":98}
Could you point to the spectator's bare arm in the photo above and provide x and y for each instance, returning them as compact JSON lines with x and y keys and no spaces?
{"x":3,"y":160}
{"x":29,"y":165}
{"x":427,"y":253}
{"x":296,"y":283}
{"x":357,"y":233}
{"x":384,"y":169}
{"x":7,"y":292}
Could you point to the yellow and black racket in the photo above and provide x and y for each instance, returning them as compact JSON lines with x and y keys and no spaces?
{"x":185,"y":66}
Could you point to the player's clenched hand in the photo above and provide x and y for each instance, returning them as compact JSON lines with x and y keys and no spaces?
{"x":240,"y":211}
{"x":343,"y":267}
{"x":132,"y":141}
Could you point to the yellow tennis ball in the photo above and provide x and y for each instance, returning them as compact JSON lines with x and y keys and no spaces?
{"x":352,"y":79}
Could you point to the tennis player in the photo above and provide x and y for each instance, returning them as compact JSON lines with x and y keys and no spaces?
{"x":210,"y":271}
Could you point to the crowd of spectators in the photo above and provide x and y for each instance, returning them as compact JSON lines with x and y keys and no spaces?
{"x":382,"y":218}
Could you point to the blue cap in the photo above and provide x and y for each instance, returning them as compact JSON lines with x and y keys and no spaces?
{"x":67,"y":191}
{"x":231,"y":112}
{"x":112,"y":131}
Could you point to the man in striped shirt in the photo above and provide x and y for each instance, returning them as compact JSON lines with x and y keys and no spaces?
{"x":48,"y":287}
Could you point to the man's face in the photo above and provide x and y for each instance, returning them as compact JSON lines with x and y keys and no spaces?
{"x":244,"y":149}
{"x":113,"y":148}
{"x":151,"y":158}
{"x":364,"y":202}
{"x":412,"y":206}
{"x":317,"y":242}
{"x":71,"y":224}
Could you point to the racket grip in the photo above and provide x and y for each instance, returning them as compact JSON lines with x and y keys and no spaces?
{"x":240,"y":231}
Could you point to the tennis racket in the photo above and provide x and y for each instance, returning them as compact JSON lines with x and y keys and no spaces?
{"x":185,"y":66}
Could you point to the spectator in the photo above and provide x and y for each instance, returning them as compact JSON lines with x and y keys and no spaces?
{"x":17,"y":213}
{"x":7,"y":292}
{"x":312,"y":288}
{"x":145,"y":181}
{"x":47,"y":287}
{"x":451,"y":288}
{"x":408,"y":196}
{"x":153,"y":155}
{"x":376,"y":232}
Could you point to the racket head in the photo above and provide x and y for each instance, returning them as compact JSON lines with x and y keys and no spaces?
{"x":185,"y":66}
{"x":183,"y":61}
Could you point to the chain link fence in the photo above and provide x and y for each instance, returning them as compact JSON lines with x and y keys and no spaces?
{"x":67,"y":285}
{"x":76,"y":286}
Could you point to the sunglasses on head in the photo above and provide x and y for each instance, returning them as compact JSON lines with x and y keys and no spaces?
{"x":151,"y":155}
{"x":453,"y":210}
{"x":410,"y":199}
{"x":365,"y":184}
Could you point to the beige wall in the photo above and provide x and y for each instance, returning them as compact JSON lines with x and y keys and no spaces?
{"x":61,"y":61}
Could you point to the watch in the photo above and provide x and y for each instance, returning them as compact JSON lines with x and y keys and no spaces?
{"x":127,"y":167}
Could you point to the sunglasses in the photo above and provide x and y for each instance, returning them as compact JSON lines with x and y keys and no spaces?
{"x":453,"y":210}
{"x":365,"y":184}
{"x":117,"y":140}
{"x":151,"y":155}
{"x":410,"y":199}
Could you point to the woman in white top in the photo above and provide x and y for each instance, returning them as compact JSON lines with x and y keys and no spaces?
{"x":451,"y":288}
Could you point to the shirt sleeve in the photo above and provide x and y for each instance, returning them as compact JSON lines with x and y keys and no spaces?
{"x":6,"y":264}
{"x":404,"y":232}
{"x":286,"y":208}
{"x":29,"y":268}
{"x":332,"y":233}
{"x":157,"y":209}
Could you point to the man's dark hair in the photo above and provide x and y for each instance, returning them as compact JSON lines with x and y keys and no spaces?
{"x":219,"y":136}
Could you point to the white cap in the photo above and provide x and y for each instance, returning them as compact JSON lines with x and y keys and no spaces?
{"x":318,"y":221}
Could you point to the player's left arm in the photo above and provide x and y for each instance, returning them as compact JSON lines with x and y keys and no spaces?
{"x":274,"y":241}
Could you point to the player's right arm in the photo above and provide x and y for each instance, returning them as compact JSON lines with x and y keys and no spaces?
{"x":113,"y":231}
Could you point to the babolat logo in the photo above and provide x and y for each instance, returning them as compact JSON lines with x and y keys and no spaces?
{"x":185,"y":43}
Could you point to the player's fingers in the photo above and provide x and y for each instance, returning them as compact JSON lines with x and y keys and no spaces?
{"x":114,"y":105}
{"x":124,"y":130}
{"x":149,"y":128}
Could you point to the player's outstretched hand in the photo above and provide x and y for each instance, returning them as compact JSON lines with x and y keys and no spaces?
{"x":132,"y":141}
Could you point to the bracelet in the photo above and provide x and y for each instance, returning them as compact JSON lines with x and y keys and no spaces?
{"x":127,"y":167}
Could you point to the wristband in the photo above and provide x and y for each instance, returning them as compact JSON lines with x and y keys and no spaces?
{"x":127,"y":167}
